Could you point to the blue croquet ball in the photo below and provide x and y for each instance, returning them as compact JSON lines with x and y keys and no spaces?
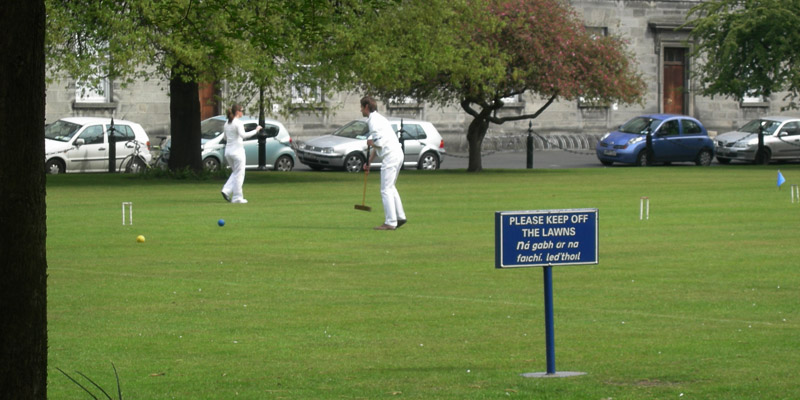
{"x":221,"y":222}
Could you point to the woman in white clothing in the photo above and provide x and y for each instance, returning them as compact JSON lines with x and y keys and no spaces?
{"x":234,"y":154}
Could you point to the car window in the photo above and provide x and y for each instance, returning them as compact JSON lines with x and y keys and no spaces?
{"x":92,"y":134}
{"x":412,"y":132}
{"x":669,"y":128}
{"x":753,"y":126}
{"x":62,"y":131}
{"x":123,"y":133}
{"x":211,"y":128}
{"x":353,"y":130}
{"x":691,"y":128}
{"x":249,"y":126}
{"x":791,"y":129}
{"x":640,"y":125}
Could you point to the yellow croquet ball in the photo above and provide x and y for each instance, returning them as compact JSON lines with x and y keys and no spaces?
{"x":140,"y":239}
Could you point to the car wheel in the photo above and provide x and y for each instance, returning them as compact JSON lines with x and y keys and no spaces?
{"x":704,"y":158}
{"x":641,"y":159}
{"x":211,"y":164}
{"x":54,"y":167}
{"x":429,"y":160}
{"x":284,"y":163}
{"x":762,"y":157}
{"x":354,"y":162}
{"x":606,"y":163}
{"x":723,"y":160}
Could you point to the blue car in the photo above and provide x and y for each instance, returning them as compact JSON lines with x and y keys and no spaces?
{"x":675,"y":138}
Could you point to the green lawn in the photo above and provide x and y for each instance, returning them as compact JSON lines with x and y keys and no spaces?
{"x":296,"y":297}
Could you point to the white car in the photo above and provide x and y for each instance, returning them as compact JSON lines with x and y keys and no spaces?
{"x":347,"y":147}
{"x":781,"y":141}
{"x":81,"y":144}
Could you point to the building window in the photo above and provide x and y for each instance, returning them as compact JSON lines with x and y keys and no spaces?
{"x":585,"y":102}
{"x":94,"y":90}
{"x":750,"y":99}
{"x":306,"y":95}
{"x":597,"y":31}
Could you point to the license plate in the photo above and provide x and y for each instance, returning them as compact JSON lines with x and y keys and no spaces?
{"x":610,"y":153}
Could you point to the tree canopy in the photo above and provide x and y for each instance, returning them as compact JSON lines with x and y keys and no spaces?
{"x":480,"y":52}
{"x":747,"y":47}
{"x":266,"y":45}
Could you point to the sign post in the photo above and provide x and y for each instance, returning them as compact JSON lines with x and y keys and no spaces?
{"x":544,"y":238}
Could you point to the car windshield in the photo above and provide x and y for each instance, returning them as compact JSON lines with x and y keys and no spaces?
{"x":640,"y":125}
{"x":353,"y":130}
{"x":756,"y":124}
{"x":211,"y":128}
{"x":62,"y":131}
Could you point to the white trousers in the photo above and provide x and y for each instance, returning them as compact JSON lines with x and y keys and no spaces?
{"x":392,"y":205}
{"x":233,"y":187}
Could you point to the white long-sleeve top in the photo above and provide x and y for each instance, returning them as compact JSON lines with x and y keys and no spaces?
{"x":235,"y":136}
{"x":382,"y":135}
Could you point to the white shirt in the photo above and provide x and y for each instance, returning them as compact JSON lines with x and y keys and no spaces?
{"x":382,"y":135}
{"x":235,"y":135}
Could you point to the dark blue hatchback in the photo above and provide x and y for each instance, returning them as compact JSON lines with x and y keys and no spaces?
{"x":675,"y":138}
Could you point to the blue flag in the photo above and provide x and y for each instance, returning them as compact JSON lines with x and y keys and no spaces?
{"x":781,"y":179}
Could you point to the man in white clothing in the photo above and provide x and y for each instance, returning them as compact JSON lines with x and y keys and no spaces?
{"x":384,"y":143}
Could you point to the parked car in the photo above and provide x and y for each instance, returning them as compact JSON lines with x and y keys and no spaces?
{"x":81,"y":144}
{"x":346,"y":148}
{"x":675,"y":138}
{"x":279,"y":155}
{"x":781,"y":141}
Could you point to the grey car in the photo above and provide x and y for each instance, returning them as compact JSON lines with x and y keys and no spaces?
{"x":781,"y":141}
{"x":346,"y":148}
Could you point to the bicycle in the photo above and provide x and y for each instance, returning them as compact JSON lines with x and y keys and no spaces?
{"x":133,"y":163}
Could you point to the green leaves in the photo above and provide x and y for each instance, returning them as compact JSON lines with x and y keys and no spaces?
{"x":748,"y":48}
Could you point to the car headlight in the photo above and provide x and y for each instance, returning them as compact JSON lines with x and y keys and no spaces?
{"x":326,"y":150}
{"x":635,"y":140}
{"x":742,"y":144}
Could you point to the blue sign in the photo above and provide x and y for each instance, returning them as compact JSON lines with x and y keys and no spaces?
{"x":545,"y":237}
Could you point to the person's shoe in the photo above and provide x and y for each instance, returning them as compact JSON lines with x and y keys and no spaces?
{"x":239,"y":201}
{"x":401,"y":222}
{"x":226,"y":197}
{"x":385,"y":227}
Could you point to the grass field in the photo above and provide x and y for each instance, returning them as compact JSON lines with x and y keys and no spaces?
{"x":296,"y":297}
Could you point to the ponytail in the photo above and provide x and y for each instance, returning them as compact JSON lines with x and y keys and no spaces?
{"x":231,"y":112}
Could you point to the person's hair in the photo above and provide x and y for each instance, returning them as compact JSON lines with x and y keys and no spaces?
{"x":369,"y":101}
{"x":232,"y":112}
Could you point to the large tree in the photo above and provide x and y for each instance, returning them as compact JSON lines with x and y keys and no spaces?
{"x":475,"y":53}
{"x":747,"y":47}
{"x":255,"y":46}
{"x":23,"y":297}
{"x":182,"y":41}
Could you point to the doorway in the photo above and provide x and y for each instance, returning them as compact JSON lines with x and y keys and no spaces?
{"x":674,"y":80}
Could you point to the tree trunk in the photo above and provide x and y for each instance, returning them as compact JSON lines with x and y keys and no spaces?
{"x":475,"y":134}
{"x":23,"y":272}
{"x":184,"y":109}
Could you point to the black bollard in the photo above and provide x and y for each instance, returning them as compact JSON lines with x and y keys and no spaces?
{"x":262,"y":150}
{"x":112,"y":148}
{"x":529,"y":158}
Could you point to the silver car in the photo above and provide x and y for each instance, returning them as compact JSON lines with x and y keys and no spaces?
{"x":781,"y":141}
{"x":346,"y":148}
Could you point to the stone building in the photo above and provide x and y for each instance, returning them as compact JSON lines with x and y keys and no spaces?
{"x":653,"y":29}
